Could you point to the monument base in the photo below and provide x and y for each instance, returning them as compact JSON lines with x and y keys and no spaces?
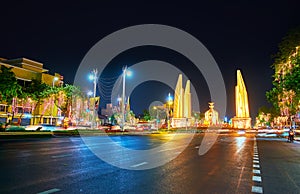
{"x":241,"y":122}
{"x":181,"y":122}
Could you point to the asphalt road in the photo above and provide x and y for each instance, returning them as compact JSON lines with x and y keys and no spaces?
{"x":234,"y":164}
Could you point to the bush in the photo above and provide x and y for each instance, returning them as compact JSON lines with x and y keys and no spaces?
{"x":15,"y":128}
{"x":2,"y":127}
{"x":66,"y":132}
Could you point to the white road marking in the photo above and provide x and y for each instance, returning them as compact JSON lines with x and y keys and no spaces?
{"x":61,"y":156}
{"x":256,"y":189}
{"x":256,"y":178}
{"x":255,"y":155}
{"x":137,"y":165}
{"x":169,"y":149}
{"x":255,"y":158}
{"x":197,"y":147}
{"x":50,"y":191}
{"x":256,"y":166}
{"x":255,"y":161}
{"x":256,"y":171}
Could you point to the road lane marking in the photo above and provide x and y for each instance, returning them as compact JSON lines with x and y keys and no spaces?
{"x":49,"y":191}
{"x":255,"y":158}
{"x":256,"y":161}
{"x":169,"y":149}
{"x":137,"y":165}
{"x":61,"y":156}
{"x":255,"y":155}
{"x":256,"y":189}
{"x":256,"y":178}
{"x":256,"y":166}
{"x":256,"y":171}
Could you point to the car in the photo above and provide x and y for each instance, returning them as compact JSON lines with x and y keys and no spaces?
{"x":108,"y":127}
{"x":241,"y":132}
{"x":105,"y":126}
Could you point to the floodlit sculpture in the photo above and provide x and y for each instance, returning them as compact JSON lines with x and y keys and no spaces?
{"x":242,"y":118}
{"x":187,"y":106}
{"x":182,"y":108}
{"x":178,"y":99}
{"x":211,"y":116}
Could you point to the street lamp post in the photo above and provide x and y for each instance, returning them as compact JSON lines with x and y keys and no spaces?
{"x":123,"y":98}
{"x":53,"y":81}
{"x":156,"y":108}
{"x":169,"y":109}
{"x":89,"y":94}
{"x":94,"y":78}
{"x":128,"y":73}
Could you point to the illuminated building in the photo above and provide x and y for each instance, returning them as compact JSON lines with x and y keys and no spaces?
{"x":242,"y":118}
{"x":25,"y":71}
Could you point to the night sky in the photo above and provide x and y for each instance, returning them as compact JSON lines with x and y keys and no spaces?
{"x":238,"y":35}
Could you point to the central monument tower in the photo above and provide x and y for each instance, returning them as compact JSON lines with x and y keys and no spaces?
{"x":182,"y":104}
{"x":242,"y":118}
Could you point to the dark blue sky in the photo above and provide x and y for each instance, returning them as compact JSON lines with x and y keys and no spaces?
{"x":238,"y":35}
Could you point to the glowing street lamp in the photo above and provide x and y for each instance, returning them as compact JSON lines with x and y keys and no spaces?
{"x":94,"y":77}
{"x":128,"y":73}
{"x":90,"y":93}
{"x":169,"y":101}
{"x":53,"y":82}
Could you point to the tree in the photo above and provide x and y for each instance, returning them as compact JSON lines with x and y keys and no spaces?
{"x":146,"y":115}
{"x":9,"y":89}
{"x":37,"y":92}
{"x":285,"y":94}
{"x":64,"y":96}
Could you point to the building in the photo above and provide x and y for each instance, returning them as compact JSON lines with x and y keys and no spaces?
{"x":25,"y":71}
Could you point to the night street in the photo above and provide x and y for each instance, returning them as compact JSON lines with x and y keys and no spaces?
{"x":66,"y":165}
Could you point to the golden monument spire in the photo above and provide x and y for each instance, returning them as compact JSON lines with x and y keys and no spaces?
{"x":187,"y":113}
{"x":242,"y":118}
{"x":178,"y":98}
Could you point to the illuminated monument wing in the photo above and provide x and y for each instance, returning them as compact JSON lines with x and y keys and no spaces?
{"x":182,"y":104}
{"x":178,"y":99}
{"x":187,"y":100}
{"x":242,"y":118}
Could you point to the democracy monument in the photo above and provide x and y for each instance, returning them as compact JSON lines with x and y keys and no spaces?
{"x":182,"y":109}
{"x":242,"y":118}
{"x":182,"y":113}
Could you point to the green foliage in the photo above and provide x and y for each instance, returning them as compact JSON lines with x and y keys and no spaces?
{"x":287,"y":46}
{"x":69,"y":92}
{"x":146,"y":115}
{"x":15,"y":128}
{"x":37,"y":90}
{"x":9,"y":87}
{"x":291,"y":79}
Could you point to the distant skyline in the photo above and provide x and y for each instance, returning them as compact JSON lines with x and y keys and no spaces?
{"x":239,"y":35}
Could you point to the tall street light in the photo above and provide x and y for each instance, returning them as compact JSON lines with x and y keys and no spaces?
{"x":89,"y":94}
{"x":94,"y":77}
{"x":156,"y":108}
{"x":169,"y":101}
{"x":128,"y":73}
{"x":53,"y":82}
